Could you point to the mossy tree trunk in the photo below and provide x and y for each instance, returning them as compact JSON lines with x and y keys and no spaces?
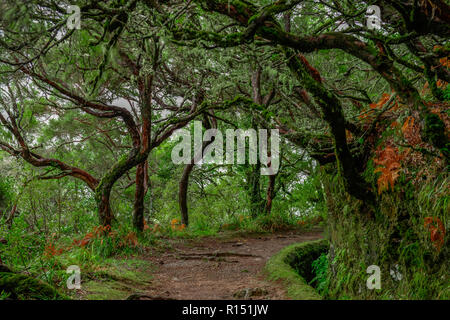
{"x":23,"y":287}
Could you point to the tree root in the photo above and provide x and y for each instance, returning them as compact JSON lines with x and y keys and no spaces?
{"x":218,"y":254}
{"x":140,"y":296}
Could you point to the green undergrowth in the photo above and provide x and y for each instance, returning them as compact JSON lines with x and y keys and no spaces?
{"x":241,"y":224}
{"x":294,"y":267}
{"x":116,"y":280}
{"x":44,"y":250}
{"x":111,"y":266}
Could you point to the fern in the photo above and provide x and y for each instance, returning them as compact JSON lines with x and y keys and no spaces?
{"x":320,"y":269}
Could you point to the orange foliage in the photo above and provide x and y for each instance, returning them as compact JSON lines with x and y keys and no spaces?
{"x":384,"y":99}
{"x":394,"y":124}
{"x":388,"y":161}
{"x":437,"y":231}
{"x":445,"y":62}
{"x":175,"y":225}
{"x":97,"y":231}
{"x":130,"y":239}
{"x":440,"y":83}
{"x":146,"y":226}
{"x":411,"y":131}
{"x":50,"y":251}
{"x":349,"y":135}
{"x":369,"y":115}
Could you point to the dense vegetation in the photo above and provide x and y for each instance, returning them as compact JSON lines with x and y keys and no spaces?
{"x":88,"y":117}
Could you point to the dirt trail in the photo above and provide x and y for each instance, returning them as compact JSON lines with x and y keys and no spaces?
{"x":212,"y":268}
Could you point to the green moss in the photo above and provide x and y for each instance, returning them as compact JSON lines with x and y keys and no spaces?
{"x":396,"y":236}
{"x":301,"y":255}
{"x":118,"y":280}
{"x":109,"y":290}
{"x":23,"y":287}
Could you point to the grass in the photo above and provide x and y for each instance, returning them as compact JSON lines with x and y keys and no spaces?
{"x":239,"y":224}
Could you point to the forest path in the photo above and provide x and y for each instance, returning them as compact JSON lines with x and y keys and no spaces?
{"x":221,"y":268}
